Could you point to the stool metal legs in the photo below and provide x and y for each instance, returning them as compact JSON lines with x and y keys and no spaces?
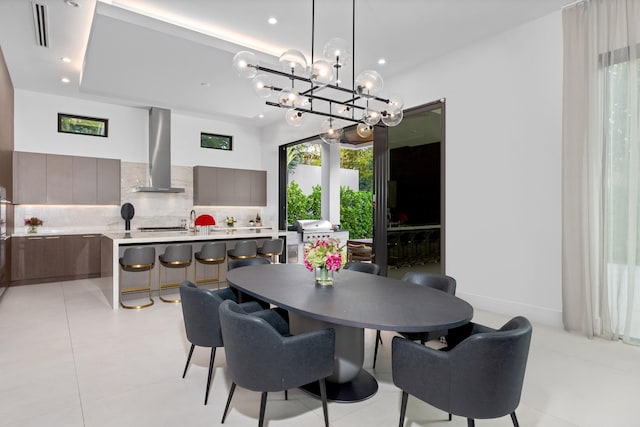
{"x":138,"y":289}
{"x":205,"y":262}
{"x":161,"y":286}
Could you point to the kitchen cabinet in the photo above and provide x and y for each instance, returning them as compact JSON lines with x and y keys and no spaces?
{"x":37,"y":257}
{"x":108,"y":182}
{"x":85,"y":180}
{"x":258,"y":188}
{"x":47,"y":258}
{"x":30,"y":178}
{"x":229,"y":187}
{"x":57,"y":179}
{"x":82,"y":255}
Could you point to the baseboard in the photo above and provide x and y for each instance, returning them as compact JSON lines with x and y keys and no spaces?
{"x":536,"y":314}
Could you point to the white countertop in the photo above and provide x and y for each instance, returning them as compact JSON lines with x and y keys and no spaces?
{"x":188,"y":236}
{"x":214,"y":231}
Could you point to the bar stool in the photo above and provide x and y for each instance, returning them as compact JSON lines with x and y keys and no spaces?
{"x":210,"y":254}
{"x":271,"y":249}
{"x":135,"y":259}
{"x":174,"y":256}
{"x":243,"y":249}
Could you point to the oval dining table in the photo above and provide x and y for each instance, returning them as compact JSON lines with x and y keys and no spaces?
{"x":354,"y":302}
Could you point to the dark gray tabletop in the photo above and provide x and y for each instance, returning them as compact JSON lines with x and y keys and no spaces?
{"x":355,"y":299}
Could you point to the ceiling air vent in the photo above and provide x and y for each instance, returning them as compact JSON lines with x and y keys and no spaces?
{"x":41,"y":25}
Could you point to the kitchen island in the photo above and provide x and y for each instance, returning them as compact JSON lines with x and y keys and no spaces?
{"x":113,"y":245}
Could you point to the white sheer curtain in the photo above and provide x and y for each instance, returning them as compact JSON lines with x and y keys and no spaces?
{"x":601,"y":164}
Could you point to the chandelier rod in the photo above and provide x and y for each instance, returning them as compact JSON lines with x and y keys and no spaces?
{"x":305,"y":79}
{"x":320,"y":113}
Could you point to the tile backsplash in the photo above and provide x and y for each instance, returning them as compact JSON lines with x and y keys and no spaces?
{"x":151,"y":209}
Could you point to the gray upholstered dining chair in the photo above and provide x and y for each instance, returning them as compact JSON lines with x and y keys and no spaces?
{"x":201,"y":321}
{"x":364,"y":267}
{"x":243,"y":262}
{"x":260,"y":358}
{"x":480,"y":377}
{"x":440,"y":282}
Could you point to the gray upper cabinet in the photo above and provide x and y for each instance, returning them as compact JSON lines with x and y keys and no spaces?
{"x":258,"y":188}
{"x":30,"y":178}
{"x":229,"y":187}
{"x":108,"y":176}
{"x":57,"y":179}
{"x":84,"y":186}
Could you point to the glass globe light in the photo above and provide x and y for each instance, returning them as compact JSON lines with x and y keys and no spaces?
{"x":303,"y":101}
{"x":262,"y":85}
{"x":292,"y":61}
{"x":336,"y":52}
{"x":369,"y":83}
{"x":288,"y":98}
{"x":364,"y":130}
{"x":294,"y":118}
{"x":371,"y":116}
{"x":395,"y":103}
{"x":244,"y":63}
{"x":328,"y":133}
{"x":344,"y":111}
{"x":321,"y":73}
{"x":392,"y":118}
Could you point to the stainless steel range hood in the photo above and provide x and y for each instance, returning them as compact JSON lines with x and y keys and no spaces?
{"x":159,"y":153}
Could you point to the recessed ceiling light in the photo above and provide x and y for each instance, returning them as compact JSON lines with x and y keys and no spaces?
{"x":65,"y":59}
{"x":273,"y":20}
{"x":71,"y":3}
{"x":261,"y":116}
{"x":65,"y":80}
{"x":382,"y":61}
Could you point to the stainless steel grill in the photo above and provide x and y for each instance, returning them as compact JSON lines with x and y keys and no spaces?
{"x":312,"y":229}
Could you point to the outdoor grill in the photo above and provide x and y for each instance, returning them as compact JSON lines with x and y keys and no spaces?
{"x":312,"y":229}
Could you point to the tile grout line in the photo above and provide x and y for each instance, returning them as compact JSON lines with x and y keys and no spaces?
{"x":73,"y":353}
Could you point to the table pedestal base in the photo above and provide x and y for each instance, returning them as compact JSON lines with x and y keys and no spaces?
{"x":362,"y":387}
{"x":349,"y":382}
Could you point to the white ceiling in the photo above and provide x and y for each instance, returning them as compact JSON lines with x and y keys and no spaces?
{"x":177,"y":53}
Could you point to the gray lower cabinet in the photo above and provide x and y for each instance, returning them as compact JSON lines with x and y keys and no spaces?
{"x":56,"y":179}
{"x":82,"y":254}
{"x":229,"y":187}
{"x":37,"y":257}
{"x":47,"y":258}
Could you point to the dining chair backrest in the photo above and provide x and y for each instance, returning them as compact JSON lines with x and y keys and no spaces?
{"x":441,"y":282}
{"x":364,"y":267}
{"x":243,"y":262}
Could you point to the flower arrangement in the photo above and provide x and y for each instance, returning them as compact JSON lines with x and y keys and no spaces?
{"x":34,"y":221}
{"x":324,"y":254}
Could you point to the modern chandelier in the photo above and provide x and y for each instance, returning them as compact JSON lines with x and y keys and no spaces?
{"x":316,"y":88}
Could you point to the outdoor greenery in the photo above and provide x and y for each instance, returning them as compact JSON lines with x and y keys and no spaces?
{"x":356,"y":207}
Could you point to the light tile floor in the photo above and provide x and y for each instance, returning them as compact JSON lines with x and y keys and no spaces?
{"x":67,"y":359}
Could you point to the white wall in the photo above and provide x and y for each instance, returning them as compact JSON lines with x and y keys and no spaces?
{"x":307,"y":176}
{"x":36,"y":130}
{"x":503,"y":165}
